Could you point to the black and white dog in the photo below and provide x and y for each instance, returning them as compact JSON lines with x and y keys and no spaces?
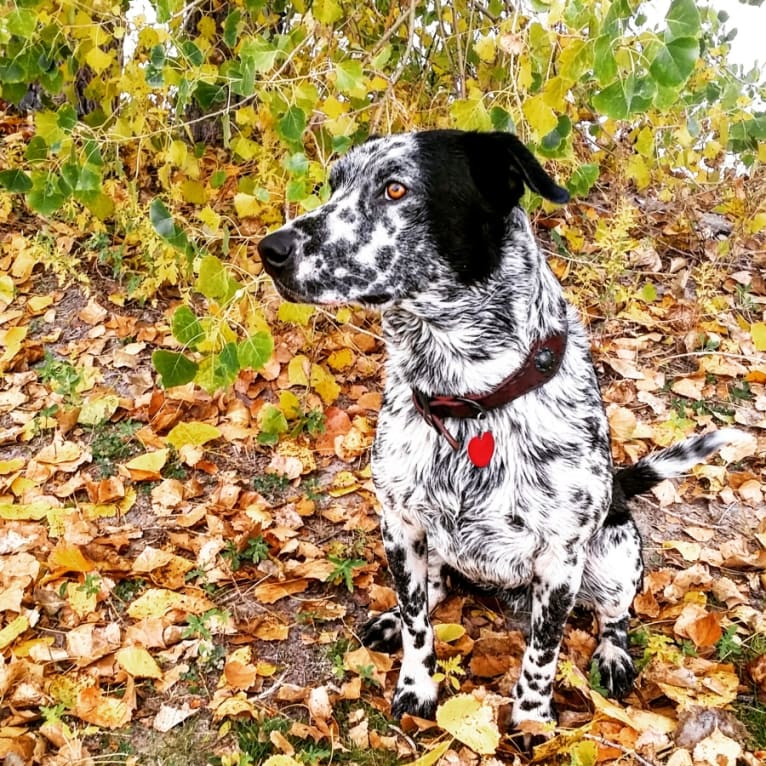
{"x":492,"y":455}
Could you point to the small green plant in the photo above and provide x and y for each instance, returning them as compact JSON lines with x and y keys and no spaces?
{"x":91,"y":585}
{"x":270,"y":485}
{"x":126,"y":590}
{"x":60,"y":376}
{"x":255,"y":551}
{"x":451,"y":669}
{"x":335,"y":653}
{"x":174,"y":468}
{"x":654,"y":645}
{"x":753,"y":715}
{"x":595,"y":681}
{"x":367,"y":674}
{"x":312,"y":423}
{"x":344,"y":571}
{"x":113,"y":443}
{"x":729,"y":647}
{"x":198,"y":625}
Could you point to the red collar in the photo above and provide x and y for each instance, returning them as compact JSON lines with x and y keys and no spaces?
{"x":541,"y":364}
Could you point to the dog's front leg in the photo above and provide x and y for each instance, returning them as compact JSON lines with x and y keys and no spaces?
{"x":555,"y":584}
{"x":407,"y":552}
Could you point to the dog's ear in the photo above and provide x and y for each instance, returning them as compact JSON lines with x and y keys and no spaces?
{"x":501,"y":166}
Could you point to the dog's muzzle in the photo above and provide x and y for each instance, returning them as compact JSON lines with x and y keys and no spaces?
{"x":277,"y":250}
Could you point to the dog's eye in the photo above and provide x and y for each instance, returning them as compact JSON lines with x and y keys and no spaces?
{"x":395,"y":190}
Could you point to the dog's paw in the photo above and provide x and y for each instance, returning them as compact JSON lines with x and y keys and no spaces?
{"x":528,"y":734}
{"x":616,"y":669}
{"x":407,"y":700}
{"x":384,"y":632}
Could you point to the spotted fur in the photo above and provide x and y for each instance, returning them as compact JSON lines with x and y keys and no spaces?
{"x":465,"y":293}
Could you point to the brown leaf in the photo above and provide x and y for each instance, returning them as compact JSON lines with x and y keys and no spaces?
{"x":268,"y":593}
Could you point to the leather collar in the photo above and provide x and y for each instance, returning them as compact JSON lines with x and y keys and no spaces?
{"x":541,"y":364}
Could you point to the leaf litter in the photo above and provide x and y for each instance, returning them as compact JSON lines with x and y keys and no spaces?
{"x":161,"y":565}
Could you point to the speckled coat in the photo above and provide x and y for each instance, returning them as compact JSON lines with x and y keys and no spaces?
{"x":427,"y":226}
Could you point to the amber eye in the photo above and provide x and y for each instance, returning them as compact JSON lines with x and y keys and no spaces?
{"x":395,"y":190}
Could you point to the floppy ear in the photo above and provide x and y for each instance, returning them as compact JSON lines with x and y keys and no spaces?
{"x":501,"y":166}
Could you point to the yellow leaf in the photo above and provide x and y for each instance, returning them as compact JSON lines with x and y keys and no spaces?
{"x":7,"y":290}
{"x":343,"y":314}
{"x":194,"y":433}
{"x":70,"y":558}
{"x":638,"y":171}
{"x":281,"y":760}
{"x":324,"y":384}
{"x":246,"y":205}
{"x":297,"y":313}
{"x":156,"y":602}
{"x":449,"y":631}
{"x":81,"y":600}
{"x":470,"y":721}
{"x":486,"y":49}
{"x":37,"y":304}
{"x":757,"y":223}
{"x":210,"y":218}
{"x":92,"y":706}
{"x":298,"y":371}
{"x":177,"y":153}
{"x":11,"y":340}
{"x":11,"y":466}
{"x":645,"y":142}
{"x":98,"y":60}
{"x":138,"y":662}
{"x":433,"y":755}
{"x":758,"y":333}
{"x":289,"y":404}
{"x":148,"y":465}
{"x":341,"y":359}
{"x":541,"y":118}
{"x":13,"y":630}
{"x":97,"y":409}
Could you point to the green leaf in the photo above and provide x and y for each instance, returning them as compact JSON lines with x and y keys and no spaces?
{"x":292,"y":124}
{"x":625,"y":97}
{"x":175,"y":369}
{"x":273,"y":423}
{"x":683,"y":20}
{"x":21,"y":22}
{"x":675,"y":61}
{"x":258,"y":53}
{"x":256,"y":350}
{"x":327,"y":11}
{"x":214,"y":281}
{"x":582,"y":180}
{"x":349,"y":77}
{"x":37,"y":149}
{"x":167,"y":228}
{"x":648,"y":293}
{"x":470,"y":114}
{"x":15,"y":180}
{"x":231,"y":28}
{"x":604,"y":63}
{"x":185,"y":327}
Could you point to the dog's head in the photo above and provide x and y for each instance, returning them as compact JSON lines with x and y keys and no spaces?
{"x":406,"y":212}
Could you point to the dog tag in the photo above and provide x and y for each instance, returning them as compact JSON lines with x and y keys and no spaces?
{"x":481,"y":448}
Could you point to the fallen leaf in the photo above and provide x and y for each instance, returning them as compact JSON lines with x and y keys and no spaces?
{"x":471,"y":721}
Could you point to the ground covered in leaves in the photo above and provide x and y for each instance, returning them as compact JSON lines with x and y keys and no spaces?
{"x":182,"y":574}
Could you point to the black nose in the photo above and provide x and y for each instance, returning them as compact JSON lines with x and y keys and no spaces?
{"x":276,"y":249}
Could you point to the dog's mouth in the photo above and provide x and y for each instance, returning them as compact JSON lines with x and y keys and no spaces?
{"x":374,"y":299}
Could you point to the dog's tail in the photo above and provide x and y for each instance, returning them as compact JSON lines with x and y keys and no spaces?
{"x":673,"y":461}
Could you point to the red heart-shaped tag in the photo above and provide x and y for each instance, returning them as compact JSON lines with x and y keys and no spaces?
{"x":481,"y":449}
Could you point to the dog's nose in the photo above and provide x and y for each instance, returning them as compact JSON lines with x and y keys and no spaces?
{"x":277,"y":248}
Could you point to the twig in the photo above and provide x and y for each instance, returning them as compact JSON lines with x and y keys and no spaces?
{"x":624,"y":750}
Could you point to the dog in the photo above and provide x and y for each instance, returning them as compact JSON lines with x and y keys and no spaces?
{"x":492,"y":454}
